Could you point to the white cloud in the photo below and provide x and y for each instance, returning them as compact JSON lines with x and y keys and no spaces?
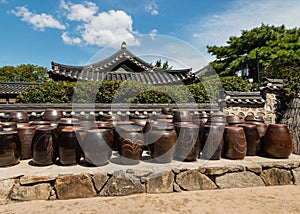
{"x":153,"y":33}
{"x":152,"y":8}
{"x":38,"y":21}
{"x":70,"y":40}
{"x":245,"y":15}
{"x":79,"y":12}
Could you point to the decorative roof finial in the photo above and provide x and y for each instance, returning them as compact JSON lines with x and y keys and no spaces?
{"x":123,"y":46}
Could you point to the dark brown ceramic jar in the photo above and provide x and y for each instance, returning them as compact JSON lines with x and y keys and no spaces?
{"x":234,"y":120}
{"x":112,"y":118}
{"x":26,"y":134}
{"x":68,"y":147}
{"x":235,"y":145}
{"x":139,"y":119}
{"x":9,"y":126}
{"x":10,"y":148}
{"x":212,"y":144}
{"x":252,"y":138}
{"x":18,"y":117}
{"x":182,"y":116}
{"x":130,"y":141}
{"x":40,"y":124}
{"x":277,"y":141}
{"x":88,"y":122}
{"x":254,"y":119}
{"x":187,"y":145}
{"x":52,"y":115}
{"x":115,"y":126}
{"x":44,"y":146}
{"x":161,"y":141}
{"x":67,"y":122}
{"x":97,"y":147}
{"x":216,"y":118}
{"x":167,"y":110}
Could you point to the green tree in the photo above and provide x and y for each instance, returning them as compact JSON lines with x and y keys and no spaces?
{"x":23,"y":73}
{"x":164,"y":66}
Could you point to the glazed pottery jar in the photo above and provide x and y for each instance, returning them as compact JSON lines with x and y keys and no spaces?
{"x":167,"y":110}
{"x":26,"y":134}
{"x":235,"y":145}
{"x":254,"y":119}
{"x":9,"y":126}
{"x":88,"y":122}
{"x":139,"y":119}
{"x":67,"y":122}
{"x":182,"y":116}
{"x":216,"y":118}
{"x":10,"y":148}
{"x":44,"y":146}
{"x":112,"y":118}
{"x":187,"y":145}
{"x":68,"y":147}
{"x":161,"y":141}
{"x":234,"y":120}
{"x":40,"y":124}
{"x":277,"y":142}
{"x":115,"y":126}
{"x":212,"y":144}
{"x":52,"y":115}
{"x":97,"y":147}
{"x":252,"y":138}
{"x":130,"y":142}
{"x":18,"y":117}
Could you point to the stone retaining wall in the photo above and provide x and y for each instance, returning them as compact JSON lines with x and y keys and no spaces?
{"x":25,"y":182}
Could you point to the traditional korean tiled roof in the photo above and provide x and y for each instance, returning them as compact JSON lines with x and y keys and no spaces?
{"x":272,"y":84}
{"x":245,"y":98}
{"x":123,"y":65}
{"x":15,"y":88}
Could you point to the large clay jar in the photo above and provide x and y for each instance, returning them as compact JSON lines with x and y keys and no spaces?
{"x":9,"y":126}
{"x":139,"y":119}
{"x":52,"y":115}
{"x":216,"y":118}
{"x":235,"y":145}
{"x":212,"y":144}
{"x":66,"y":122}
{"x":10,"y":148}
{"x":130,"y":141}
{"x":161,"y":141}
{"x":97,"y":147}
{"x":252,"y":138}
{"x":68,"y":147}
{"x":277,"y":141}
{"x":187,"y":145}
{"x":26,"y":134}
{"x":234,"y":120}
{"x":115,"y":126}
{"x":182,"y":116}
{"x":18,"y":117}
{"x":254,"y":119}
{"x":44,"y":146}
{"x":200,"y":120}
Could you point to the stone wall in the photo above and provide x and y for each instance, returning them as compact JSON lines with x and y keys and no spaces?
{"x":25,"y":182}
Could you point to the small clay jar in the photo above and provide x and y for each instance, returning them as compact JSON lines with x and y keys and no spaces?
{"x":234,"y":120}
{"x":26,"y":134}
{"x":182,"y":116}
{"x":10,"y":148}
{"x":18,"y":117}
{"x":139,"y":119}
{"x":213,"y":143}
{"x":161,"y":141}
{"x":167,"y":110}
{"x":187,"y":145}
{"x":235,"y":144}
{"x":97,"y":147}
{"x":68,"y":147}
{"x":277,"y":142}
{"x":9,"y":126}
{"x":44,"y":147}
{"x":254,"y":119}
{"x":52,"y":115}
{"x":112,"y":118}
{"x":130,"y":141}
{"x":252,"y":138}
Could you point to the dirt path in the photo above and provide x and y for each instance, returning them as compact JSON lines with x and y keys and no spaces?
{"x":280,"y":199}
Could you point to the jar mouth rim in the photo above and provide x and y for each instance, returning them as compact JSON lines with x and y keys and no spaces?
{"x":8,"y":132}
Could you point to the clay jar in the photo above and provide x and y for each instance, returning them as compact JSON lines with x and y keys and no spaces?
{"x":235,"y":145}
{"x":115,"y":126}
{"x":52,"y":115}
{"x":9,"y":126}
{"x":254,"y":119}
{"x":212,"y":144}
{"x":67,"y":122}
{"x":161,"y":141}
{"x":40,"y":124}
{"x":234,"y":120}
{"x":182,"y":116}
{"x":97,"y":147}
{"x":88,"y":122}
{"x":10,"y":148}
{"x":68,"y":147}
{"x":18,"y":117}
{"x":44,"y":146}
{"x":252,"y":138}
{"x":187,"y":145}
{"x":139,"y":119}
{"x":277,"y":142}
{"x":217,"y":118}
{"x":130,"y":141}
{"x":26,"y":134}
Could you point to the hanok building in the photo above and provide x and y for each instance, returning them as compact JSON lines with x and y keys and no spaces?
{"x":123,"y":65}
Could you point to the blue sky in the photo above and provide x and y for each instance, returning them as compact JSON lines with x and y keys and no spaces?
{"x":73,"y":32}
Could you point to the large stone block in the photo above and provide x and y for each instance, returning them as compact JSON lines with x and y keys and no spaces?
{"x":121,"y":184}
{"x":25,"y":180}
{"x":194,"y":180}
{"x":5,"y":189}
{"x":239,"y":180}
{"x":28,"y":193}
{"x":275,"y":176}
{"x":160,"y":182}
{"x":100,"y":180}
{"x":296,"y":174}
{"x":74,"y":186}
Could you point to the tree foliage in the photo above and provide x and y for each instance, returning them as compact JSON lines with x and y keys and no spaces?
{"x":23,"y":73}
